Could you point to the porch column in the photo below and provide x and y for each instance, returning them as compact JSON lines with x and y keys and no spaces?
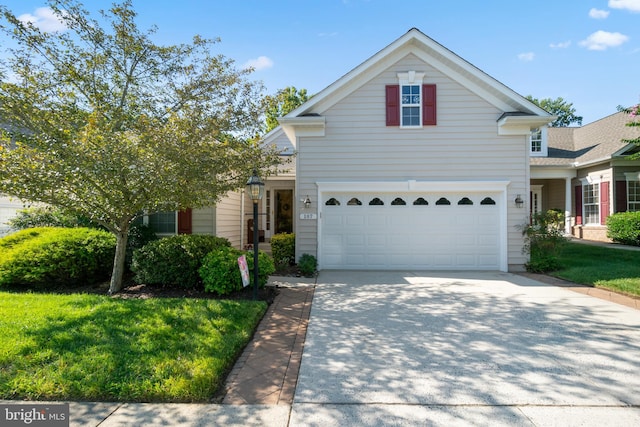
{"x":567,"y":205}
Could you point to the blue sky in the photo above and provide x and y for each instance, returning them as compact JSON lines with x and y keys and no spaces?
{"x":587,"y":52}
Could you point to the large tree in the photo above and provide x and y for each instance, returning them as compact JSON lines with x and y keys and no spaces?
{"x":283,"y":102}
{"x":558,"y":107}
{"x":101,"y":121}
{"x":634,"y":116}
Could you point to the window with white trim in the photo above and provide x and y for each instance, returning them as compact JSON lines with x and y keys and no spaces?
{"x":161,"y":223}
{"x":410,"y":99}
{"x":538,"y":142}
{"x":591,"y":203}
{"x":633,"y":196}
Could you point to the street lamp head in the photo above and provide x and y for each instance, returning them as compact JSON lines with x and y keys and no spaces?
{"x":255,"y":186}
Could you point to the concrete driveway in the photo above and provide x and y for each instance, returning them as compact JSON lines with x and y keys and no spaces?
{"x":471,"y":348}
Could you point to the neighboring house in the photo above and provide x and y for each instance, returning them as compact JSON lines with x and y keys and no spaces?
{"x":413,"y":160}
{"x":8,"y":209}
{"x":585,"y":173}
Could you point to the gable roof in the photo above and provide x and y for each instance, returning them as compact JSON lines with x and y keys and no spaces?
{"x":417,"y":43}
{"x":593,"y":143}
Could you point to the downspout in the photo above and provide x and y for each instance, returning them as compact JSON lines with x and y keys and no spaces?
{"x":242,"y":219}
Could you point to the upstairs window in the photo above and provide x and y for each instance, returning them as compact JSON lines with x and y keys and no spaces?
{"x":410,"y":103}
{"x":538,"y":142}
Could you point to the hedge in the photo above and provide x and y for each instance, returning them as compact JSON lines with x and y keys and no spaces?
{"x":49,"y":256}
{"x":624,"y":227}
{"x":174,"y":260}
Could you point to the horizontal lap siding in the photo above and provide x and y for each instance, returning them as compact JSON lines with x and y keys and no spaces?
{"x":228,"y":218}
{"x":357,"y":146}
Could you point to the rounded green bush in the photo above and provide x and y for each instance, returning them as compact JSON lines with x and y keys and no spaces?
{"x":220,"y":272}
{"x":174,"y":260}
{"x":48,"y":256}
{"x":307,"y":265}
{"x":624,"y":227}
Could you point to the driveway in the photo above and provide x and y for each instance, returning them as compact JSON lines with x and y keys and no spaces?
{"x":479,"y":348}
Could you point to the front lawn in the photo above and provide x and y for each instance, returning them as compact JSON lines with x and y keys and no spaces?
{"x":603,"y":267}
{"x":97,"y":348}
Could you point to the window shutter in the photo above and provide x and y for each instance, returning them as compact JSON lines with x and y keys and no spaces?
{"x":604,"y":202}
{"x":393,"y":105}
{"x":185,"y":221}
{"x":621,"y":196}
{"x":429,"y":105}
{"x":578,"y":191}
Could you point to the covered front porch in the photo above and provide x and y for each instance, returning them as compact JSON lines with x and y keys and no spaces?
{"x":551,"y":188}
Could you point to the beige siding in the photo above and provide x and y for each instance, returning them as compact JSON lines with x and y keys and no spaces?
{"x":228,"y":219}
{"x":8,"y":209}
{"x":357,"y":146}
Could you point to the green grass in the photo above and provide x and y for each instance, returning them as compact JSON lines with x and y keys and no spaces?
{"x":603,"y":267}
{"x":97,"y":348}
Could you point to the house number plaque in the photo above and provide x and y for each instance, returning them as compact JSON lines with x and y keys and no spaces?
{"x":308,"y":216}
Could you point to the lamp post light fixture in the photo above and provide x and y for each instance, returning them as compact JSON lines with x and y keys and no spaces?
{"x":256,"y":190}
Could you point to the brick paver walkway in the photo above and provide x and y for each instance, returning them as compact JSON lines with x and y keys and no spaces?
{"x":267,"y":371}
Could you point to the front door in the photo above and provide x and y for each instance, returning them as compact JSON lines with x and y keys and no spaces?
{"x":283,"y":211}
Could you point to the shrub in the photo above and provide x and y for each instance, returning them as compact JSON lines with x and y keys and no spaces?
{"x":307,"y":265}
{"x":624,"y":227}
{"x":174,"y":260}
{"x":220,"y":272}
{"x":47,"y":216}
{"x":543,"y":240}
{"x":283,"y":249}
{"x":139,"y":235}
{"x":47,"y":256}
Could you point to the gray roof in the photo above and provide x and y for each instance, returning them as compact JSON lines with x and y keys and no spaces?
{"x":594,"y":142}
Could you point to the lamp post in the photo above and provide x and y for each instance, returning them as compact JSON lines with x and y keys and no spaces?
{"x":256,"y":190}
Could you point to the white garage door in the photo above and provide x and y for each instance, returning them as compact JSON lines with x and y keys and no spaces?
{"x":434,"y":231}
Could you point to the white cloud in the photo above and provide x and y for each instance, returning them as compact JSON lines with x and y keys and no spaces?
{"x":526,"y":57}
{"x":44,"y":19}
{"x":631,"y":5}
{"x":561,"y":45}
{"x":259,"y":63}
{"x":602,"y":40}
{"x":598,"y":14}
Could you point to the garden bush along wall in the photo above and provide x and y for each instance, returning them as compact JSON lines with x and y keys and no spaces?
{"x":174,"y":260}
{"x":221,"y":275}
{"x":283,"y":249}
{"x":624,"y":227}
{"x":49,"y":256}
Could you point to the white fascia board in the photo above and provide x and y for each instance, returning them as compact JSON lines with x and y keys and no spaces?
{"x":552,"y":173}
{"x":295,"y":127}
{"x":412,"y":186}
{"x":521,"y":125}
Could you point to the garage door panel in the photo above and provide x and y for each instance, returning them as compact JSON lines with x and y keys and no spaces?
{"x":410,"y":236}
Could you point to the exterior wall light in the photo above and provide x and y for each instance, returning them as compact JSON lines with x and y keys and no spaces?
{"x":306,"y":202}
{"x":519,"y":202}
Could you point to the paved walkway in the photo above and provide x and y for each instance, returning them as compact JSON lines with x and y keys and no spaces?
{"x":267,"y":371}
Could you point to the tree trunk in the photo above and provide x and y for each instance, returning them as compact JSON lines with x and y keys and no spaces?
{"x":119,"y":262}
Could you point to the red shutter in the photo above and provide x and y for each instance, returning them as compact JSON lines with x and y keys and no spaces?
{"x":604,"y":202}
{"x":429,"y":105}
{"x":393,"y":105}
{"x":621,"y":196}
{"x":578,"y":191}
{"x":184,"y":221}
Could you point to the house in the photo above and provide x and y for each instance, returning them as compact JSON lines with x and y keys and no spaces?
{"x":415,"y":159}
{"x":585,"y":172}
